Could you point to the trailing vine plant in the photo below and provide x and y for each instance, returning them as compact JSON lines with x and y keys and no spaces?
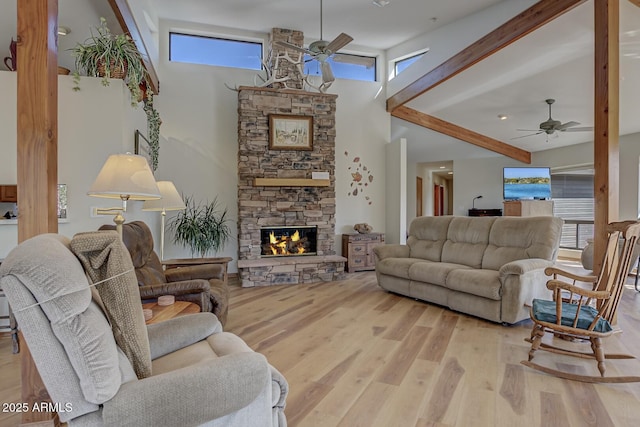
{"x":153,"y":129}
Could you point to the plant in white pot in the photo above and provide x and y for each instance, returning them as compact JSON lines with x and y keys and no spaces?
{"x":203,"y":227}
{"x":109,"y":55}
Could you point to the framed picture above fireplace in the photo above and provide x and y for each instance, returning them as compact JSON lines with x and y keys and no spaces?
{"x":287,"y":132}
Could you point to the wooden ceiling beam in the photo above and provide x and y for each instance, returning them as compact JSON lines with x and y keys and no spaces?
{"x":466,"y":135}
{"x":128,"y":24}
{"x":514,"y":29}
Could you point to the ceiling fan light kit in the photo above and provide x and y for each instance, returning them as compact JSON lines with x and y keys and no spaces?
{"x":321,"y":50}
{"x":551,"y":126}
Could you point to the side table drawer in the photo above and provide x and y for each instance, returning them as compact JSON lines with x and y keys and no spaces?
{"x":358,"y":262}
{"x":357,"y":249}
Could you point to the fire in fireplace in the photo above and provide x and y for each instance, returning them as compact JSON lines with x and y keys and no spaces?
{"x":287,"y":241}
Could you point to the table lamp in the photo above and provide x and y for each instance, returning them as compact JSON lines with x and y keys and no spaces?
{"x":473,"y":202}
{"x":170,"y":201}
{"x":124,"y":177}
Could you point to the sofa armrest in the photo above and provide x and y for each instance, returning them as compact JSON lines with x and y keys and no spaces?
{"x":174,"y":288}
{"x":192,"y":395}
{"x":280,"y":389}
{"x":201,"y":271}
{"x":522,"y":281}
{"x":523,"y":266}
{"x":179,"y":332}
{"x":391,"y":251}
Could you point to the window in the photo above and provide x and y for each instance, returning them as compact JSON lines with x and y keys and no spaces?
{"x":215,"y":51}
{"x":572,"y":194}
{"x":345,"y":66}
{"x":403,"y":64}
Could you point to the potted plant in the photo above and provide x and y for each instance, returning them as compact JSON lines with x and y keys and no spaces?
{"x":109,"y":55}
{"x":201,"y":227}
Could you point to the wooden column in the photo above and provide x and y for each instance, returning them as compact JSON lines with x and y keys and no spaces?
{"x":606,"y":134}
{"x":37,"y":132}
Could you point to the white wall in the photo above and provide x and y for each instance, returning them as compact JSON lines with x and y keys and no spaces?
{"x":199,"y":139}
{"x":446,"y":41}
{"x":484,"y":176}
{"x":396,"y":188}
{"x":91,"y":126}
{"x":362,"y":130}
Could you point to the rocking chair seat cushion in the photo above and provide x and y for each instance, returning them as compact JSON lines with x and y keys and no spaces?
{"x":545,"y":311}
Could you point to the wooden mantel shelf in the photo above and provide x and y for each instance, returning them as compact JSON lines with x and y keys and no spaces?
{"x":290,"y":182}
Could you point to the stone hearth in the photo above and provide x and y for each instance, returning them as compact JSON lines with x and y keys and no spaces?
{"x":292,"y":203}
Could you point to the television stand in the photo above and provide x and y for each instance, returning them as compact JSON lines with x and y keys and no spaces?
{"x":485,"y":212}
{"x":528,"y":208}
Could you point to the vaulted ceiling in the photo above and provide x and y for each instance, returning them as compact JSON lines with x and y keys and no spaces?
{"x":555,"y":61}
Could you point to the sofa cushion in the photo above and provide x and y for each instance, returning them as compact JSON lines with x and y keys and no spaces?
{"x":467,"y":239}
{"x":397,"y":267}
{"x":516,"y":238}
{"x":432,"y":272}
{"x":427,"y":235}
{"x":483,"y":283}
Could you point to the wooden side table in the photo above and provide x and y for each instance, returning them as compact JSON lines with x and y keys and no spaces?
{"x":358,"y":248}
{"x":184,"y":262}
{"x":166,"y":312}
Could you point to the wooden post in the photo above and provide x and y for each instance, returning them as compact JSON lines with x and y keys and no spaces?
{"x":37,"y":107}
{"x":606,"y":133}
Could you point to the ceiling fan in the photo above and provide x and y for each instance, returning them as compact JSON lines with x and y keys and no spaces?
{"x":551,"y":126}
{"x":321,"y":50}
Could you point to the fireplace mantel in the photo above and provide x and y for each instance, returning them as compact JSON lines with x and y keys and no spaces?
{"x":290,"y":182}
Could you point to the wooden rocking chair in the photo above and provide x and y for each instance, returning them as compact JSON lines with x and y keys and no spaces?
{"x":581,"y":314}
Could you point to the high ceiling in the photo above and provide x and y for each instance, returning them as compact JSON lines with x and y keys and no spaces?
{"x":370,"y":25}
{"x":555,"y":61}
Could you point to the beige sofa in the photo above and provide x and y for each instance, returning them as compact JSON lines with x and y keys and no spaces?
{"x":490,"y":267}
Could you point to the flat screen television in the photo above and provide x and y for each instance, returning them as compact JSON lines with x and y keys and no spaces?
{"x":526,"y":183}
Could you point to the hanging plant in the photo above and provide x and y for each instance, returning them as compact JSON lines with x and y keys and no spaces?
{"x":109,"y":55}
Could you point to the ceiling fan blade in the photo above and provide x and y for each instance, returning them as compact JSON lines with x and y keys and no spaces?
{"x":339,"y":42}
{"x":531,"y":134}
{"x":580,"y":129}
{"x":530,"y":130}
{"x":566,"y":126}
{"x":327,"y":72}
{"x":364,"y":61}
{"x":294,"y":47}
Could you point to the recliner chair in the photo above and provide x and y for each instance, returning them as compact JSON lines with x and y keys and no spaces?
{"x":200,"y":284}
{"x":103,"y":367}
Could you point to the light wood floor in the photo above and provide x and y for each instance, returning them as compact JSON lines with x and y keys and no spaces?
{"x":355,"y":355}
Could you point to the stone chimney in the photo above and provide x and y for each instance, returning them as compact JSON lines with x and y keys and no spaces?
{"x":285,"y":68}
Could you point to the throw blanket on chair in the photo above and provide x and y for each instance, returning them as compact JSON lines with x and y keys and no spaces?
{"x":108,"y":265}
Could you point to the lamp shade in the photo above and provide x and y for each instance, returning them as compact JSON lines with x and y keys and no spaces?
{"x":125,"y":175}
{"x":170,"y":201}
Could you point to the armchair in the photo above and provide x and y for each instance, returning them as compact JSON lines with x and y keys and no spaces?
{"x":202,"y":284}
{"x":184,"y":371}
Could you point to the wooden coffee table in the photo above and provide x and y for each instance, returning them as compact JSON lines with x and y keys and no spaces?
{"x":178,"y":308}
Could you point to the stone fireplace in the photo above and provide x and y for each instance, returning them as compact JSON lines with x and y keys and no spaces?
{"x":276,"y":189}
{"x":288,"y":241}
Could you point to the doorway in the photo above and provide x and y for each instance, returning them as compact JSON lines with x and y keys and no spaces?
{"x":438,"y":200}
